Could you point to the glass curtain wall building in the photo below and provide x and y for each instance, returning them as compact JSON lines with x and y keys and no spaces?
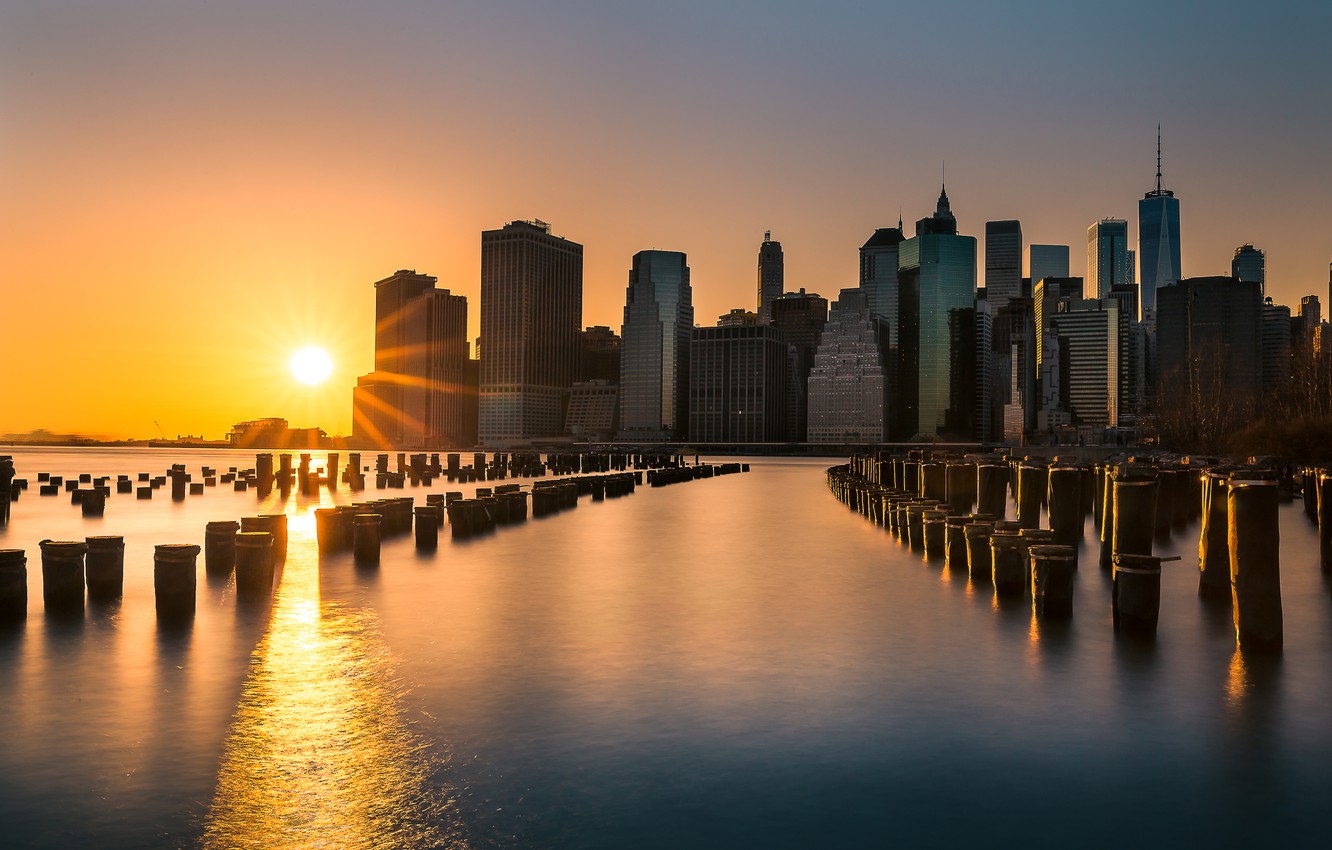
{"x":1107,"y":257}
{"x":936,"y":276}
{"x":654,"y":347}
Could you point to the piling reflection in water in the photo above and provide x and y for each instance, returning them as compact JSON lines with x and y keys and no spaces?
{"x":319,"y":752}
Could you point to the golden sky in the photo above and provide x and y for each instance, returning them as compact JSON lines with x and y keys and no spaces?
{"x":189,"y":192}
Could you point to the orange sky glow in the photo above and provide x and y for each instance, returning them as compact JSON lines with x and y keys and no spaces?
{"x":191,"y":194}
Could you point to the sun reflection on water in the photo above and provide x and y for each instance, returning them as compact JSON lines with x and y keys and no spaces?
{"x":319,"y":753}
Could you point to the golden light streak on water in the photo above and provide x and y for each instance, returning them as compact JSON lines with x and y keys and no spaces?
{"x":319,"y":753}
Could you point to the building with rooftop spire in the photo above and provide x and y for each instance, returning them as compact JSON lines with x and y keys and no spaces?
{"x":771,"y":276}
{"x":936,"y":275}
{"x":1158,"y":241}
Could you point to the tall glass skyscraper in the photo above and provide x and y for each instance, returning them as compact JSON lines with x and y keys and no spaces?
{"x":1046,"y":261}
{"x":1107,"y":257}
{"x":1003,"y":262}
{"x":654,"y":348}
{"x":936,"y":276}
{"x":1158,"y":239}
{"x":878,"y":274}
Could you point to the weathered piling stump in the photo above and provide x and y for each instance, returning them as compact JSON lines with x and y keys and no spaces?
{"x":1052,"y":570}
{"x":220,"y":547}
{"x":1009,"y":572}
{"x":992,"y":489}
{"x":934,"y":481}
{"x":254,"y":564}
{"x":961,"y":482}
{"x":1136,"y":593}
{"x":915,"y":523}
{"x":935,"y":523}
{"x":1134,"y":514}
{"x":13,"y":585}
{"x":62,"y":575}
{"x":105,"y":571}
{"x":365,"y":539}
{"x":1064,"y":496}
{"x":1031,"y":488}
{"x":93,"y":503}
{"x":174,"y":580}
{"x":955,"y":550}
{"x":1214,"y":539}
{"x":1255,"y":565}
{"x":427,"y":527}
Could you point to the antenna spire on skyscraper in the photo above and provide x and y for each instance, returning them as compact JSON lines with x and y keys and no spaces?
{"x":1158,"y":159}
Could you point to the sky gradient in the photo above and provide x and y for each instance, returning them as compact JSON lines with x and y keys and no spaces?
{"x":192,"y":191}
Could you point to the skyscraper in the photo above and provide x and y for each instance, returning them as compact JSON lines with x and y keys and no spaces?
{"x":848,"y":386}
{"x":1003,"y":262}
{"x":1158,"y":240}
{"x":878,"y":274}
{"x":771,"y":276}
{"x":1090,"y":342}
{"x":1276,"y":347}
{"x":654,"y":365}
{"x":1047,"y":261}
{"x":1250,"y":265}
{"x":936,"y":277}
{"x":801,"y":318}
{"x":531,"y":314}
{"x":737,"y":385}
{"x":1209,"y":339}
{"x":1107,"y":257}
{"x":419,"y":395}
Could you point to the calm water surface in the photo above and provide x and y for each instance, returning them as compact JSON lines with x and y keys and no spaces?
{"x":735,"y":662}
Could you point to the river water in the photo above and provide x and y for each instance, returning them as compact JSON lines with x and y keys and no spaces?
{"x":731,"y":662}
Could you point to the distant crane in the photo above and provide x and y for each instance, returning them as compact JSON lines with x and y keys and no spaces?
{"x":159,"y":429}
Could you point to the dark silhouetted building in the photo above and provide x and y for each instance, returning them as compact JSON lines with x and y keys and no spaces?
{"x":1209,"y":338}
{"x":654,"y":366}
{"x":1276,"y":347}
{"x":738,"y":317}
{"x":737,"y":385}
{"x":771,"y":276}
{"x":600,"y":355}
{"x":531,"y":315}
{"x":801,"y":317}
{"x":1091,"y":337}
{"x":594,"y":410}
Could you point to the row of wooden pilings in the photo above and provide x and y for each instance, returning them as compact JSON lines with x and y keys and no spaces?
{"x":928,"y":502}
{"x":254,"y":547}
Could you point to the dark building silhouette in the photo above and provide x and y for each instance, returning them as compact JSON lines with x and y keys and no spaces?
{"x":1045,"y":261}
{"x":1013,"y":338}
{"x":1209,"y":338}
{"x":801,"y":317}
{"x":737,"y":385}
{"x":1003,"y":262}
{"x":654,"y":363}
{"x":771,"y":276}
{"x":531,"y":316}
{"x":1276,"y":347}
{"x":738,"y":317}
{"x":1109,"y":261}
{"x":600,"y":355}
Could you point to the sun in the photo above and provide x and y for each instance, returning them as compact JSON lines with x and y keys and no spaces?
{"x":311,"y":365}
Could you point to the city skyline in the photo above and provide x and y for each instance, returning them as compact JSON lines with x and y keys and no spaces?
{"x":234,"y":212}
